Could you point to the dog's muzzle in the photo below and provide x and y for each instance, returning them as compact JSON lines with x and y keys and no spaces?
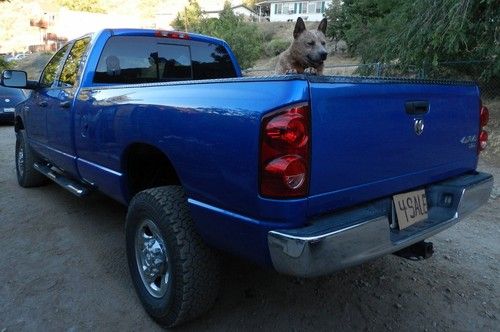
{"x":316,"y":62}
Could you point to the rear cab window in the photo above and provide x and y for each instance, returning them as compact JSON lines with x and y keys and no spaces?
{"x":140,"y":59}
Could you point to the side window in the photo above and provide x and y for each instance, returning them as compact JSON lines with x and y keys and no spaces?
{"x":160,"y":60}
{"x":50,"y":71}
{"x":72,"y":65}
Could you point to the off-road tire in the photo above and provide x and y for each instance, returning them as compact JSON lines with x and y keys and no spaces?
{"x":194,"y":267}
{"x":27,"y":176}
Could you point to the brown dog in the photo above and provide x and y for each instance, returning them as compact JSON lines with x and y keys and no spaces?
{"x":307,"y":51}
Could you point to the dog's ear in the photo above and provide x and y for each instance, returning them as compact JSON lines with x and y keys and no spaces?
{"x":322,"y":26}
{"x":299,"y":27}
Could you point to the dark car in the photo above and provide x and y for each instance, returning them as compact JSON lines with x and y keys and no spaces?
{"x":9,"y":98}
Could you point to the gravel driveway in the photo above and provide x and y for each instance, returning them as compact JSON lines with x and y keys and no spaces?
{"x":63,"y":267}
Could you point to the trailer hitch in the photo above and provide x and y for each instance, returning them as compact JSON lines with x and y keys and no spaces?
{"x":418,"y":251}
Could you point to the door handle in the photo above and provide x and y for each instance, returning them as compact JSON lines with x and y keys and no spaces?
{"x":417,"y":107}
{"x":43,"y":103}
{"x":65,"y":104}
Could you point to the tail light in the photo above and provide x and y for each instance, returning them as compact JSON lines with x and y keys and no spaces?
{"x":484,"y":117}
{"x":483,"y":140}
{"x":284,"y":152}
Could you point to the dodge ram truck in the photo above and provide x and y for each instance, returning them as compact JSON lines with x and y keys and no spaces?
{"x":305,"y":174}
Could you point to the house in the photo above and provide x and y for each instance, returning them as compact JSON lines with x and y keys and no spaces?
{"x":286,"y":10}
{"x":240,"y":10}
{"x":40,"y":30}
{"x":167,"y":10}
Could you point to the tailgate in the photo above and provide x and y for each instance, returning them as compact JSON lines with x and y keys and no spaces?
{"x":365,"y":142}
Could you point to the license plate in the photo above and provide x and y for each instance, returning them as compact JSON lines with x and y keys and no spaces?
{"x":8,"y":109}
{"x":410,"y":208}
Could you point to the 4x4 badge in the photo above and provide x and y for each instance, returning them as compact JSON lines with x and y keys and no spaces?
{"x":419,"y":126}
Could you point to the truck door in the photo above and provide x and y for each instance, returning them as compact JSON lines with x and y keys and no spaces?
{"x":38,"y":104}
{"x":59,"y":114}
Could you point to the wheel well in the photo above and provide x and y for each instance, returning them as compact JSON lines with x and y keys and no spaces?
{"x":147,"y":167}
{"x":18,"y":124}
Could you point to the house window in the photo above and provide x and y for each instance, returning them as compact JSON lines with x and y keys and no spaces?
{"x":311,"y":8}
{"x":289,"y":8}
{"x":278,"y":8}
{"x":320,"y":7}
{"x":303,"y":8}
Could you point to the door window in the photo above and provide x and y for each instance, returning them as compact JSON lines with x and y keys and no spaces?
{"x":50,"y":71}
{"x":72,"y":65}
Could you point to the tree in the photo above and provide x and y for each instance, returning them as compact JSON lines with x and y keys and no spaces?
{"x":420,"y":32}
{"x":251,"y":3}
{"x":189,"y":18}
{"x":243,"y":37}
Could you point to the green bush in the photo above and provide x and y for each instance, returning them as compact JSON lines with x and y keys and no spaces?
{"x":244,"y":38}
{"x":275,"y":47}
{"x":4,"y":64}
{"x":267,"y":30}
{"x":419,"y":33}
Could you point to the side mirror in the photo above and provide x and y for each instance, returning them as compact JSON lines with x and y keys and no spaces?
{"x":14,"y":79}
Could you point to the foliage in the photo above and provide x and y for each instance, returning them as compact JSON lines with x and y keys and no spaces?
{"x":93,"y":6}
{"x":420,"y":32}
{"x":4,"y":64}
{"x":243,"y":37}
{"x":275,"y":47}
{"x":250,"y":3}
{"x":190,"y":18}
{"x":268,"y":31}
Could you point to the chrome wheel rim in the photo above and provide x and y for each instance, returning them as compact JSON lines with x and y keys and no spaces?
{"x":20,"y":161}
{"x":152,"y":259}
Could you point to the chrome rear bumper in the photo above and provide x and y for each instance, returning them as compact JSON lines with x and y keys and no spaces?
{"x":352,"y":237}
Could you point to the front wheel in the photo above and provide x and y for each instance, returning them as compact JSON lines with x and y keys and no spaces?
{"x":27,"y":175}
{"x":175,"y":274}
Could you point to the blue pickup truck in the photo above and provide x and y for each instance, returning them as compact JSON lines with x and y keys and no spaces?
{"x":305,"y":174}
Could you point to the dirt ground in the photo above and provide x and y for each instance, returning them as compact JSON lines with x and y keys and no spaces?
{"x":63,"y":267}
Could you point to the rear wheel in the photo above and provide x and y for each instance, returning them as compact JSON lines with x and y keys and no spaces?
{"x":27,"y":176}
{"x":175,"y":274}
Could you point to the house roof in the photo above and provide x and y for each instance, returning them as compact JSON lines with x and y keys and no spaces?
{"x":268,"y":2}
{"x":233,"y":7}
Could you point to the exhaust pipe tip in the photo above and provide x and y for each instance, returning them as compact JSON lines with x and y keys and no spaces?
{"x":418,"y":251}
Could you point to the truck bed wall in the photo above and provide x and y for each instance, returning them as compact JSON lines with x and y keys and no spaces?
{"x":208,"y":131}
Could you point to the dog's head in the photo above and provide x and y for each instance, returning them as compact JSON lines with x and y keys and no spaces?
{"x":309,"y":46}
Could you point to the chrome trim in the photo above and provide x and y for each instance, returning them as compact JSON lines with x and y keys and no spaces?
{"x":325,"y":247}
{"x":72,"y":186}
{"x":419,"y":126}
{"x":152,"y":259}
